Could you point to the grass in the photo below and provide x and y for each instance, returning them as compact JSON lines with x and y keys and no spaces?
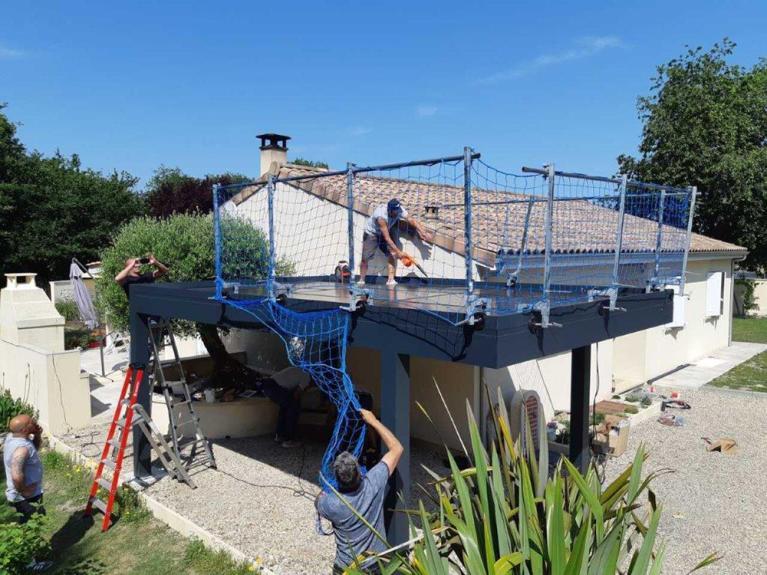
{"x":749,"y":329}
{"x":136,"y":544}
{"x":750,"y":375}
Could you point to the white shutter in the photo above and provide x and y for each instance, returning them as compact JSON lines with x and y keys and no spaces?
{"x":680,"y":301}
{"x":714,"y":294}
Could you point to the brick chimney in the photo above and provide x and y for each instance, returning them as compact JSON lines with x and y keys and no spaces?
{"x":274,"y":148}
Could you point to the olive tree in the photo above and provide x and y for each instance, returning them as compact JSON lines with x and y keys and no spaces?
{"x":185,"y":243}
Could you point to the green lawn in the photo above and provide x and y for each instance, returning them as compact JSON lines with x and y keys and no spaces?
{"x":749,"y":329}
{"x":750,"y":375}
{"x":136,"y":544}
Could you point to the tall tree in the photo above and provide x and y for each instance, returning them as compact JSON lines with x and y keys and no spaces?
{"x":51,"y":208}
{"x":171,"y":191}
{"x":705,"y":124}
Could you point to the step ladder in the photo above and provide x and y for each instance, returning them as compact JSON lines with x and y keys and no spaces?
{"x":114,"y":447}
{"x":186,"y":437}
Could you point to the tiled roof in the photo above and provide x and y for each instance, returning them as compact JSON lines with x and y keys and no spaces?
{"x":499,"y":220}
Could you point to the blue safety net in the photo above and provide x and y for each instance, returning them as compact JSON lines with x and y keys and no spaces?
{"x":315,"y":342}
{"x":468,"y":239}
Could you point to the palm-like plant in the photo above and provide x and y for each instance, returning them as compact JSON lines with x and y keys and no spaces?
{"x":489,"y":520}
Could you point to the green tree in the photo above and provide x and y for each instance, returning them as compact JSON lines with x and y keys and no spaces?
{"x":171,"y":191}
{"x":185,"y":243}
{"x":705,"y":124}
{"x":309,"y":163}
{"x":51,"y":208}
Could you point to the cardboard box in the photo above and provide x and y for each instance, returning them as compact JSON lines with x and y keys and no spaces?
{"x":612,"y":435}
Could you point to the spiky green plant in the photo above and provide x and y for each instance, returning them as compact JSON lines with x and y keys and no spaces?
{"x":489,"y":521}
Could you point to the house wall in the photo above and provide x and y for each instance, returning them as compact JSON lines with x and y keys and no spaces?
{"x":760,"y":298}
{"x":311,"y":234}
{"x":653,"y":352}
{"x":48,"y":380}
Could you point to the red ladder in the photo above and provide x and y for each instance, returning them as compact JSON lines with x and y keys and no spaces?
{"x":115,"y":445}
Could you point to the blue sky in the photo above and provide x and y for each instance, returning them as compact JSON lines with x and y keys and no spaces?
{"x":133,"y":85}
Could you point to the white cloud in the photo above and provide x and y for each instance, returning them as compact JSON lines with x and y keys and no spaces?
{"x":10,"y":53}
{"x":359,"y":130}
{"x":582,"y":48}
{"x":426,"y":110}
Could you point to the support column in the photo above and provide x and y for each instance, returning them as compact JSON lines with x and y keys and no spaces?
{"x":139,"y":357}
{"x":395,"y":414}
{"x":580,"y":397}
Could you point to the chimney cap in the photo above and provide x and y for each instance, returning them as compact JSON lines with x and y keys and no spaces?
{"x":271,"y":141}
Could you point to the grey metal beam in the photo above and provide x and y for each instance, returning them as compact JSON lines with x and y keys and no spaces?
{"x":395,"y":414}
{"x":139,"y":357}
{"x":580,"y":398}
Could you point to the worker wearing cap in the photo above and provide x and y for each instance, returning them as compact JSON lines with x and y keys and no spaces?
{"x":381,"y":231}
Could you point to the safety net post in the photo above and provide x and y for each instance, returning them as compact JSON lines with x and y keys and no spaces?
{"x":350,"y":214}
{"x":270,"y":216}
{"x":659,"y":240}
{"x":217,"y":240}
{"x":693,"y":196}
{"x":548,"y":246}
{"x":467,"y":152}
{"x":618,"y":241}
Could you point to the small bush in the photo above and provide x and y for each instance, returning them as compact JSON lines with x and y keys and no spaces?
{"x":68,"y":310}
{"x":76,"y":338}
{"x":631,"y":409}
{"x":10,"y":408}
{"x":20,"y":544}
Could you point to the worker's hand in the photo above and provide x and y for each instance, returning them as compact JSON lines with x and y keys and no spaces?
{"x":368,"y":416}
{"x":426,"y":236}
{"x":131,"y":263}
{"x":152,"y":260}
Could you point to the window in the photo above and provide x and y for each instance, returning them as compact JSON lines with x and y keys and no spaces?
{"x":715,"y":294}
{"x":680,"y":301}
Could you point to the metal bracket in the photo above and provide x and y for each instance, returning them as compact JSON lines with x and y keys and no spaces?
{"x":280,"y":292}
{"x":545,"y":310}
{"x":612,"y":294}
{"x":359,"y":297}
{"x":476,"y":307}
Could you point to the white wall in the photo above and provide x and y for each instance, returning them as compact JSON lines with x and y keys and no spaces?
{"x":760,"y":297}
{"x":50,"y":381}
{"x":653,"y":352}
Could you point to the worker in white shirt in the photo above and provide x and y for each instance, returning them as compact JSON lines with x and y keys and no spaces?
{"x":285,"y":388}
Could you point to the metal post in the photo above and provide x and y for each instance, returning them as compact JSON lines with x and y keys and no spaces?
{"x":272,"y":259}
{"x":350,"y":212}
{"x":693,"y":196}
{"x":395,"y":414}
{"x":549,"y":240}
{"x":139,"y":357}
{"x":580,"y":399}
{"x":619,"y":231}
{"x":217,"y":239}
{"x":467,"y":152}
{"x":659,"y":240}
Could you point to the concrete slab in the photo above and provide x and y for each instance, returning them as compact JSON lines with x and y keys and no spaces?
{"x":708,"y":368}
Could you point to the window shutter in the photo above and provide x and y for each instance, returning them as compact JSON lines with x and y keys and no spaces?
{"x":680,"y":300}
{"x":714,"y":294}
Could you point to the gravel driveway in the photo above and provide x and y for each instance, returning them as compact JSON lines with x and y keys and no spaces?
{"x":712,"y":502}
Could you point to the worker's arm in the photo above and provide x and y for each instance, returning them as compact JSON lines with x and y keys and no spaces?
{"x":394,"y":447}
{"x":395,"y":251}
{"x":123,"y":275}
{"x":419,"y":229}
{"x":160,"y":269}
{"x":18,"y":459}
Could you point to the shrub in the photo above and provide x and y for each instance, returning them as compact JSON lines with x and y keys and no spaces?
{"x":499,"y":516}
{"x":68,"y":310}
{"x":10,"y":408}
{"x":749,"y":300}
{"x":20,"y":544}
{"x":185,"y":243}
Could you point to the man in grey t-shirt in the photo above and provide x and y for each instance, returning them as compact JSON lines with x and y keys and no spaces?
{"x":363,"y":494}
{"x":381,"y":232}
